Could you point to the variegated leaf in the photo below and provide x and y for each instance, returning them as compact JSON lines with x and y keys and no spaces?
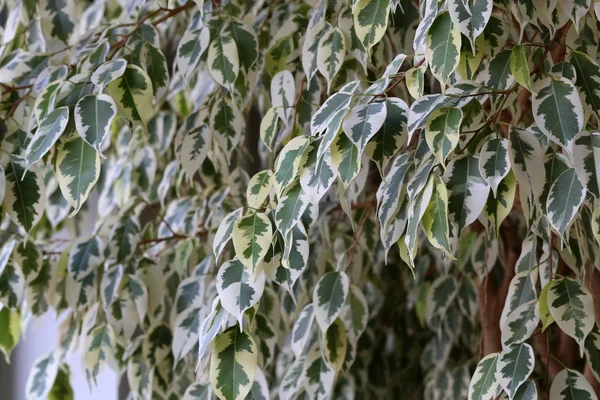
{"x":515,"y":364}
{"x":302,"y":330}
{"x":194,"y":149}
{"x":471,"y":16}
{"x":283,"y":95}
{"x":226,"y":124}
{"x":330,"y":54}
{"x":42,"y":376}
{"x":124,"y":238}
{"x":85,"y":256}
{"x":443,"y":47}
{"x":100,"y":349}
{"x":289,"y":161}
{"x":94,"y":115}
{"x":484,"y":381}
{"x":133,"y":94}
{"x":252,"y":236}
{"x":565,"y":197}
{"x":494,"y":163}
{"x":319,"y":376}
{"x":223,"y":59}
{"x":557,"y":110}
{"x":468,"y":190}
{"x":223,"y":234}
{"x":46,"y":135}
{"x":345,"y":158}
{"x":335,"y":345}
{"x":290,"y":208}
{"x":363,"y":122}
{"x":569,"y":384}
{"x":211,"y":326}
{"x":259,"y":187}
{"x":25,"y":196}
{"x":317,"y":174}
{"x":329,"y":297}
{"x":588,"y":79}
{"x":435,"y":219}
{"x":310,"y":47}
{"x":586,"y":157}
{"x":237,"y":289}
{"x":77,"y":168}
{"x":233,"y":364}
{"x":442,"y":131}
{"x":108,"y":72}
{"x":268,"y":128}
{"x":191,"y":47}
{"x":370,"y":21}
{"x":338,"y":102}
{"x":526,"y":158}
{"x":572,"y":307}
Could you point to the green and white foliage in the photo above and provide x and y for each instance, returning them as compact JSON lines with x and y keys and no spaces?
{"x":572,"y":307}
{"x":329,"y":199}
{"x":570,"y":384}
{"x":233,"y":364}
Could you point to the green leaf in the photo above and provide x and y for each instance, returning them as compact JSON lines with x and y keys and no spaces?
{"x":442,"y":131}
{"x":133,"y":95}
{"x":520,"y":68}
{"x":569,"y":384}
{"x":61,"y":389}
{"x":572,"y":307}
{"x":370,"y":20}
{"x":223,"y":59}
{"x":237,"y":289}
{"x":443,"y":47}
{"x":329,"y":296}
{"x":108,"y":72}
{"x":233,"y":364}
{"x":77,"y":169}
{"x":330,"y":54}
{"x":259,"y":187}
{"x":515,"y":364}
{"x":484,"y":381}
{"x":25,"y":196}
{"x":565,"y":197}
{"x":557,"y":110}
{"x":363,"y":122}
{"x":94,"y":115}
{"x":544,"y":309}
{"x":10,"y":331}
{"x":251,"y":239}
{"x":46,"y":135}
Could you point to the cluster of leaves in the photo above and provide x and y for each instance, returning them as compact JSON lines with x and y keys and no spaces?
{"x":303,"y":198}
